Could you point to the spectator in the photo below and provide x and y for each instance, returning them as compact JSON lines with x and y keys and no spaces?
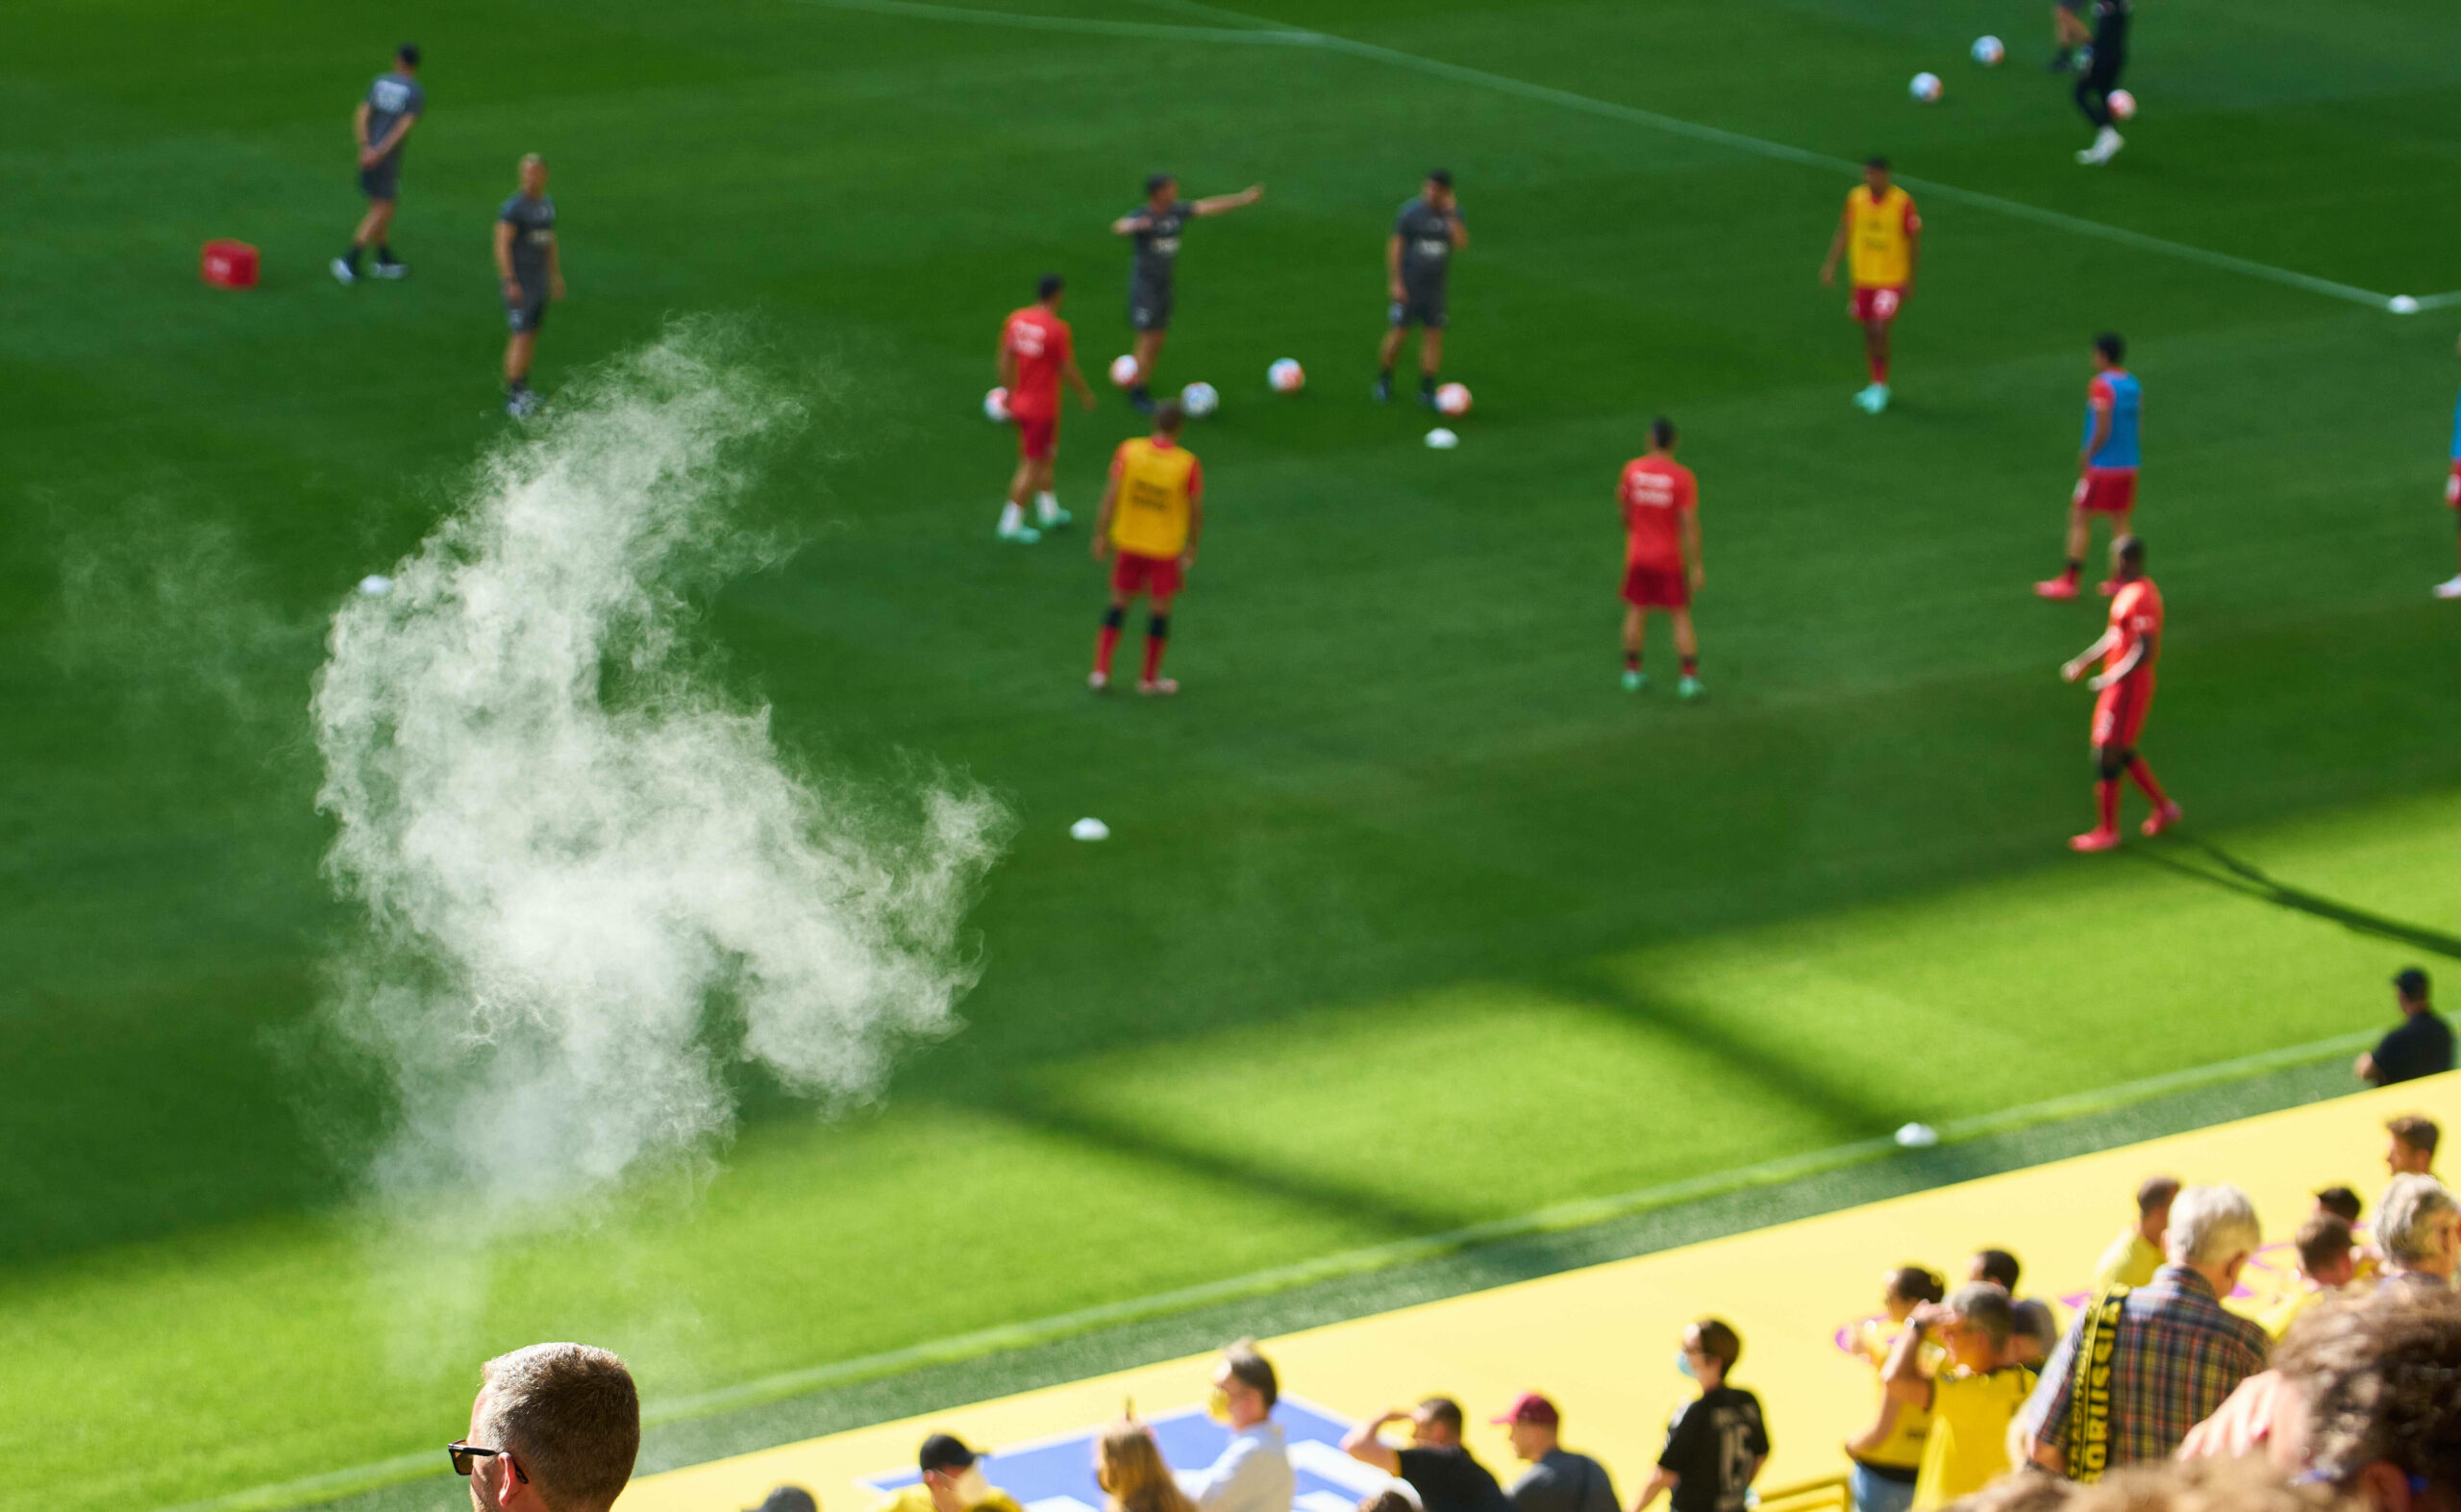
{"x":2420,"y":1047}
{"x":1998,"y":1267}
{"x":2379,"y":1385}
{"x":562,"y":1421}
{"x":2019,"y":1493}
{"x":1253,"y":1474}
{"x":1392,"y":1498}
{"x":1445,"y":1475}
{"x":2037,"y":1333}
{"x":1557,"y":1480}
{"x":1974,"y":1396}
{"x":788,"y":1499}
{"x":2174,"y":1351}
{"x":2325,"y":1265}
{"x":2136,"y":1253}
{"x":2419,"y":1227}
{"x":2411,"y":1149}
{"x":2205,"y":1485}
{"x":1716,"y":1444}
{"x":953,"y":1481}
{"x":1888,"y":1453}
{"x":2340,"y":1201}
{"x":1128,"y":1467}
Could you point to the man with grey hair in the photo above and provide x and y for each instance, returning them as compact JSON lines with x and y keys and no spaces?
{"x":554,"y":1429}
{"x":2142,"y":1365}
{"x":2417,"y":1225}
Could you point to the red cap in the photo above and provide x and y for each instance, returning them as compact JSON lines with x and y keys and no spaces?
{"x":1532,"y":1407}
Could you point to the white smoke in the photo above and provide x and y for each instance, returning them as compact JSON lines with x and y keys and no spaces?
{"x":590,"y":877}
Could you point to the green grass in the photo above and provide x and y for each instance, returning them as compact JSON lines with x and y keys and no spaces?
{"x":1411,"y":920}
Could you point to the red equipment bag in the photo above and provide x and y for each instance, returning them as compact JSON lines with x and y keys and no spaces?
{"x":230,"y":265}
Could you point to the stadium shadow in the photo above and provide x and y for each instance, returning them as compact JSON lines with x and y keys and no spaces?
{"x":2251,"y":881}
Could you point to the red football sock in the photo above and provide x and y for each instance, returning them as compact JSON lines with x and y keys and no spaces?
{"x":1154,"y":645}
{"x":2144,"y":775}
{"x":2106,"y":799}
{"x":1880,"y":371}
{"x":1104,"y":643}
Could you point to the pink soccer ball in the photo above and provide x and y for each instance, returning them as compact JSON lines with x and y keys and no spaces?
{"x":1452,"y":398}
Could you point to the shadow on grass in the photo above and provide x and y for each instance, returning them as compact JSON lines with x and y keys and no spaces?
{"x":2228,"y":871}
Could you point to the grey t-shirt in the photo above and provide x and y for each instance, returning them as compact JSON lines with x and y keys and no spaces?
{"x":534,"y":237}
{"x":1158,"y":246}
{"x":1563,"y":1481}
{"x":392,"y":96}
{"x":1427,"y":243}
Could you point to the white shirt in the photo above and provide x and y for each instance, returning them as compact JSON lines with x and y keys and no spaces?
{"x":1252,"y":1475}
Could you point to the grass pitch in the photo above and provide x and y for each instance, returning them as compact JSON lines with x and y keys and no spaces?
{"x":1412,"y":919}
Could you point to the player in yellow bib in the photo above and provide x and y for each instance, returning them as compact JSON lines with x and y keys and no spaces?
{"x":1152,"y":512}
{"x":1882,"y":238}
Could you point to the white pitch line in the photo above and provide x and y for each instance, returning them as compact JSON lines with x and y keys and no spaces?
{"x":1259,"y":31}
{"x":1558,"y":1219}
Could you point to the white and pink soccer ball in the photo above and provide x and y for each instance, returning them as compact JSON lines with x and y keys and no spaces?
{"x":1988,"y":51}
{"x":2123,"y":105}
{"x":1124,"y":369}
{"x":995,"y":407}
{"x":1286,"y":376}
{"x":1453,"y":400}
{"x":1926,"y":89}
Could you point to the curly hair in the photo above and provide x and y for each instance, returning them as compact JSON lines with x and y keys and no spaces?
{"x":2381,"y":1378}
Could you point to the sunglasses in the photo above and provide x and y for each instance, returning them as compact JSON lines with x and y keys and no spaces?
{"x":464,"y":1453}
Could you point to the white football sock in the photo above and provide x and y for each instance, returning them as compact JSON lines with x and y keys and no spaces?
{"x":1047,"y":504}
{"x":1013,"y":518}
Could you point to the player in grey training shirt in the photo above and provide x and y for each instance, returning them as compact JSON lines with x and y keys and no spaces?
{"x":1155,"y":227}
{"x":1417,"y":256}
{"x":532,"y":274}
{"x":393,"y":105}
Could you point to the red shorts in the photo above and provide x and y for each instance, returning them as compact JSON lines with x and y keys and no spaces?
{"x":2119,"y":711}
{"x":2106,"y":490}
{"x":1877,"y":302}
{"x":1037,"y":436}
{"x":1158,"y":576}
{"x":2452,"y":486}
{"x":1656,"y":588}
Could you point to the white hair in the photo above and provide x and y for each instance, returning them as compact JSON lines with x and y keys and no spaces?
{"x":2406,"y":1216}
{"x":2212,"y":1226}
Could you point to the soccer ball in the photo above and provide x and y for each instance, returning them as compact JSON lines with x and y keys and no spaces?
{"x":2123,"y":105}
{"x":1452,"y":398}
{"x":995,"y":407}
{"x":1926,"y":89}
{"x":1286,"y":376}
{"x":1988,"y":51}
{"x":1123,"y":370}
{"x":1199,"y":400}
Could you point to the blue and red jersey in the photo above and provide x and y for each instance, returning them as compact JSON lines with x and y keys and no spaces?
{"x":2118,"y":392}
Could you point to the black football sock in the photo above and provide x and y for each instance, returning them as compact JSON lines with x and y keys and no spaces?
{"x":2075,"y":566}
{"x":1427,"y":383}
{"x":350,"y":259}
{"x":383,"y":253}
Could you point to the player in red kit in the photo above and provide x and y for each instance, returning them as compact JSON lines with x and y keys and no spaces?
{"x":1036,"y":351}
{"x":2129,"y":649}
{"x":1661,"y":553}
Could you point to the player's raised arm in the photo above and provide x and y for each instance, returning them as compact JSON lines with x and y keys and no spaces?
{"x":1216,"y":204}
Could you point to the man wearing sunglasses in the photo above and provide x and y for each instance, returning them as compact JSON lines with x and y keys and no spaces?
{"x":554,"y":1429}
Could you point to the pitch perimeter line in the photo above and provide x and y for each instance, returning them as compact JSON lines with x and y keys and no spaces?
{"x":1259,"y":31}
{"x":1562,"y":1216}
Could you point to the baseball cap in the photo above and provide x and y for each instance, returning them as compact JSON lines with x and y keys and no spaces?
{"x":2413,"y":984}
{"x":945,"y":1451}
{"x":1532,"y":1407}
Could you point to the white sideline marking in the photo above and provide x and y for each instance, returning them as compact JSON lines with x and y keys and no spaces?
{"x":1259,"y":30}
{"x":332,"y":1484}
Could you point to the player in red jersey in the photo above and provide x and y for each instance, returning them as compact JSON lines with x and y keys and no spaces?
{"x":1036,"y":351}
{"x":2128,"y":649}
{"x":1661,"y":503}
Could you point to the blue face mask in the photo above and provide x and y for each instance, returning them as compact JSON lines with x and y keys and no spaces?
{"x":1683,"y":1363}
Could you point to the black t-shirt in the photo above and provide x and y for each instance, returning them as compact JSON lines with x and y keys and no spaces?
{"x":1563,"y":1481}
{"x":1710,"y":1445}
{"x":1158,"y":246}
{"x":2420,"y":1047}
{"x":1448,"y":1479}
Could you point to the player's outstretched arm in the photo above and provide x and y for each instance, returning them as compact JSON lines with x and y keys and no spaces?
{"x":1215,"y":204}
{"x":2128,"y":663}
{"x":2075,"y":666}
{"x":1130,"y":224}
{"x":1366,"y":1445}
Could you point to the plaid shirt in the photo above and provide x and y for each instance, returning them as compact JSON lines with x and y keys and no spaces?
{"x":2176,"y":1354}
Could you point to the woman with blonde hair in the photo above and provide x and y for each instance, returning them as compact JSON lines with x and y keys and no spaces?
{"x":1128,"y":1467}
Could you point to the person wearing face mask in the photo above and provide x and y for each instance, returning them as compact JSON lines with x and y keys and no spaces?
{"x":1252,"y":1472}
{"x":1716,"y":1444}
{"x":953,"y":1481}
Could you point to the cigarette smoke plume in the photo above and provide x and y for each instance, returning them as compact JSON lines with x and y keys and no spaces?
{"x":591,"y":877}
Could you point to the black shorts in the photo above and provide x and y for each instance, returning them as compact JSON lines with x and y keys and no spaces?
{"x":526,"y":313}
{"x":1148,"y":308}
{"x":1417,"y":307}
{"x":382,"y":179}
